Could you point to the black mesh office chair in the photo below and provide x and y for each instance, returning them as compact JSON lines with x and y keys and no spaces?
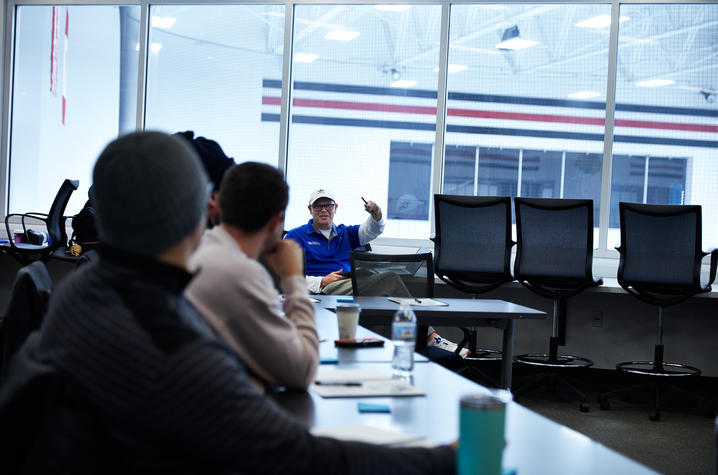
{"x":26,"y":309}
{"x":661,"y":256}
{"x":396,"y":275}
{"x":554,"y":256}
{"x":53,"y":221}
{"x":472,"y":250}
{"x":401,"y":275}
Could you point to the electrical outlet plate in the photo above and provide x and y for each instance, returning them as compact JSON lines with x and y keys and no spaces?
{"x":597,"y":319}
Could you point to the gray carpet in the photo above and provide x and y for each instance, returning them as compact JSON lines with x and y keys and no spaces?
{"x":682,"y":442}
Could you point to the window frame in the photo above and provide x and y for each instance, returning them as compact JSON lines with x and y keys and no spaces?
{"x":7,"y":20}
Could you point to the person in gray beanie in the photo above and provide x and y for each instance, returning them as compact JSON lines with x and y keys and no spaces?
{"x":126,"y":376}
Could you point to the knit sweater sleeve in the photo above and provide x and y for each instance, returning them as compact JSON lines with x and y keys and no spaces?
{"x":211,"y":410}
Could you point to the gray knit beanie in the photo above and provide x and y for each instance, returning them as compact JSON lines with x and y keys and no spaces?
{"x":150,"y":192}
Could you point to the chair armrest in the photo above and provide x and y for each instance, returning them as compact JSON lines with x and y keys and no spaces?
{"x":714,"y":264}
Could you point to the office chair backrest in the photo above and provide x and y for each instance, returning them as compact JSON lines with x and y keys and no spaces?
{"x":472,"y":246}
{"x":661,"y":248}
{"x":554,"y":243}
{"x":55,"y":217}
{"x":28,"y":303}
{"x":408,"y":275}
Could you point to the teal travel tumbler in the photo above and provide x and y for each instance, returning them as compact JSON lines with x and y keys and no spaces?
{"x":481,"y":434}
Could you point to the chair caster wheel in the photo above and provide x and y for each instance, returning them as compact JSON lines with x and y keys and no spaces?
{"x":655,"y":416}
{"x":584,"y":407}
{"x":605,"y":405}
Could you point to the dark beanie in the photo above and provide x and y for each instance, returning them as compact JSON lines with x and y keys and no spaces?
{"x":150,"y":192}
{"x":213,"y":157}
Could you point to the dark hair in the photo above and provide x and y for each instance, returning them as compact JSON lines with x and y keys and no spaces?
{"x":250,"y":194}
{"x":213,"y":157}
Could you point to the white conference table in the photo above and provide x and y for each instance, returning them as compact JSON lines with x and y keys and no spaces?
{"x":459,"y":312}
{"x":535,"y":444}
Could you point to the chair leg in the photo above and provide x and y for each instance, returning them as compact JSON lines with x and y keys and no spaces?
{"x":658,"y":389}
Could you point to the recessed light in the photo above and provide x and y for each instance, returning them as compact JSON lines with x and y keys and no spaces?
{"x":655,"y":83}
{"x":516,"y":43}
{"x":457,"y":68}
{"x":454,"y":68}
{"x":600,"y":21}
{"x":305,"y":57}
{"x":403,"y":83}
{"x":163,"y":22}
{"x":584,"y":95}
{"x":392,"y":8}
{"x":341,"y":35}
{"x":155,"y":47}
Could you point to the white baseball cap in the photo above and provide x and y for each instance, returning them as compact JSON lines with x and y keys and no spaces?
{"x":320,"y":193}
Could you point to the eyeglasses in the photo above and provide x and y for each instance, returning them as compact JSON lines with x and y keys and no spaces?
{"x":326,"y":206}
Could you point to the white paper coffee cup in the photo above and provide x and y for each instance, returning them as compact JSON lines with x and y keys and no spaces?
{"x":348,"y":319}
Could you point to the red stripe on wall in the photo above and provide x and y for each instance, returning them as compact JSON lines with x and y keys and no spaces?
{"x":483,"y":114}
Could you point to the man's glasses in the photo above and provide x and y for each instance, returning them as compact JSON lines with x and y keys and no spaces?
{"x":326,"y":206}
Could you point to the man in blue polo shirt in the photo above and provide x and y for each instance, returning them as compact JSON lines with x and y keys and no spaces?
{"x":326,"y":250}
{"x":327,"y":246}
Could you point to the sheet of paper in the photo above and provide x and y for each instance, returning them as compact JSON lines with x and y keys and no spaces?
{"x":418,"y":302}
{"x":372,"y":435}
{"x":360,"y":383}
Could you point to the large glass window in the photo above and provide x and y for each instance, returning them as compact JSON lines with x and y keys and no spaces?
{"x":364,"y":92}
{"x":527,"y":88}
{"x":666,"y":124}
{"x":214,"y":69}
{"x":74,"y":89}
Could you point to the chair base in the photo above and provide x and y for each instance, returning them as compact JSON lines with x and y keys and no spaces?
{"x":553,"y":361}
{"x":658,"y":387}
{"x":556,"y":381}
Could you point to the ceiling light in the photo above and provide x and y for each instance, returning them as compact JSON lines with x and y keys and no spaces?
{"x":341,"y":35}
{"x":163,"y":22}
{"x":655,"y":83}
{"x":305,"y":57}
{"x":516,"y":43}
{"x":510,"y":40}
{"x":403,"y":83}
{"x":600,"y":21}
{"x":155,"y":47}
{"x":392,"y":8}
{"x":454,"y":68}
{"x":584,"y":95}
{"x":457,"y":68}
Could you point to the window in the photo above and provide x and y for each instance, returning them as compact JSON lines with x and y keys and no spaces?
{"x":665,"y":133}
{"x":74,"y":89}
{"x":526,"y":90}
{"x":207,"y":66}
{"x":409,"y":181}
{"x":364,"y":91}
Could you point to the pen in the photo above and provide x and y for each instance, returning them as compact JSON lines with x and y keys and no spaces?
{"x":362,"y":198}
{"x":417,"y":300}
{"x":337,"y":383}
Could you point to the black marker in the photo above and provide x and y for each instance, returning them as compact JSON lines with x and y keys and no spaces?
{"x":362,"y":198}
{"x":337,"y":383}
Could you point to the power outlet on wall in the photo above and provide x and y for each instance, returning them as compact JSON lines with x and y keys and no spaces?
{"x":597,"y":319}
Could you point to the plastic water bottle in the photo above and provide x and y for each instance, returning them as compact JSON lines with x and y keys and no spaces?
{"x":403,"y":336}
